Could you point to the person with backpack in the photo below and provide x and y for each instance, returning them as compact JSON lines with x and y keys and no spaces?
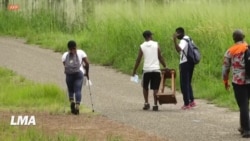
{"x":234,"y":58}
{"x":76,"y":67}
{"x":186,"y":67}
{"x":151,"y":68}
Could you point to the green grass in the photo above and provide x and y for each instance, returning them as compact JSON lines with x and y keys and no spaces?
{"x":21,"y":133}
{"x":20,"y":94}
{"x":111,"y":35}
{"x":17,"y":133}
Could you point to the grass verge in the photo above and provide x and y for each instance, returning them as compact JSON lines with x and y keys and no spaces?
{"x":20,"y":96}
{"x":111,"y":35}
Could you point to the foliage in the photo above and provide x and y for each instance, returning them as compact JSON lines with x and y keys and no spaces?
{"x":111,"y":35}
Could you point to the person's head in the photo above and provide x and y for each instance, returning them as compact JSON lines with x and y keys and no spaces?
{"x":72,"y":46}
{"x":180,"y":32}
{"x":238,"y":35}
{"x":147,"y":35}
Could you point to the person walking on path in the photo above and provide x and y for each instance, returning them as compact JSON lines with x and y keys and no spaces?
{"x":151,"y":68}
{"x":234,"y":57}
{"x":186,"y":68}
{"x":76,"y":66}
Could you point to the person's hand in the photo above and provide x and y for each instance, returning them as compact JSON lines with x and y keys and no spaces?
{"x":175,"y":36}
{"x":87,"y":75}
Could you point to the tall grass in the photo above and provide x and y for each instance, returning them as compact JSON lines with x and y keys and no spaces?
{"x":17,"y":93}
{"x":210,"y":24}
{"x":112,"y":35}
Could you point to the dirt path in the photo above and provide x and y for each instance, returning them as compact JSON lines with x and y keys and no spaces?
{"x":84,"y":127}
{"x":121,"y":100}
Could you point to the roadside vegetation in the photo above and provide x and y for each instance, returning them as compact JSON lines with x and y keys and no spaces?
{"x":19,"y":95}
{"x":112,"y":34}
{"x":11,"y":133}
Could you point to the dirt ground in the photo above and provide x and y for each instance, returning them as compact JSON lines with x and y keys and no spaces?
{"x":84,"y":127}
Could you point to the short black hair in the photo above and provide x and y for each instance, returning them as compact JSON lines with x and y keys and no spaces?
{"x":71,"y":44}
{"x":180,"y":30}
{"x":238,"y":35}
{"x":147,"y":33}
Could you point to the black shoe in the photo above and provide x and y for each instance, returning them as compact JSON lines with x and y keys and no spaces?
{"x":76,"y":112}
{"x":246,"y":134}
{"x":77,"y":109}
{"x":146,"y":106}
{"x":72,"y":107}
{"x":155,"y":108}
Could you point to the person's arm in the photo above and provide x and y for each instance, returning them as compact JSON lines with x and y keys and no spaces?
{"x":86,"y":66}
{"x":137,"y":62}
{"x":176,"y":45}
{"x":160,"y":57}
{"x":225,"y":71}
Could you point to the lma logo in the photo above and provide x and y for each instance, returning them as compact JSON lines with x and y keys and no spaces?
{"x":23,"y":120}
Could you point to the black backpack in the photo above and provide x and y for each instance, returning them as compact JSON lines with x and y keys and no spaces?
{"x":247,"y":61}
{"x":72,"y":64}
{"x":193,"y":54}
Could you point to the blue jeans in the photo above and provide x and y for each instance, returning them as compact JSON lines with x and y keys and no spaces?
{"x":74,"y":84}
{"x":186,"y":74}
{"x":242,"y":95}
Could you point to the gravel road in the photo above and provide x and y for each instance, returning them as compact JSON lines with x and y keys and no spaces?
{"x":121,"y":100}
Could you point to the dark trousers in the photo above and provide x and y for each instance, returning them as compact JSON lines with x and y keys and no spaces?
{"x":242,"y":95}
{"x":186,"y":74}
{"x":74,"y":84}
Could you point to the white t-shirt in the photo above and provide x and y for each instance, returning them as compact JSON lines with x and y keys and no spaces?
{"x":184,"y":47}
{"x":150,"y":53}
{"x":81,"y":54}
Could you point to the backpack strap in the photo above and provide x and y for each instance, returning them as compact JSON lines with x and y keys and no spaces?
{"x":187,"y":40}
{"x":77,"y":59}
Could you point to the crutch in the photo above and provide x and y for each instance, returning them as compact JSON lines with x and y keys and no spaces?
{"x":90,"y":96}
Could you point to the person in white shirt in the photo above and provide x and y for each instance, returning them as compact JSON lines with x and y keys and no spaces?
{"x":76,"y":66}
{"x":186,"y":68}
{"x":150,"y":50}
